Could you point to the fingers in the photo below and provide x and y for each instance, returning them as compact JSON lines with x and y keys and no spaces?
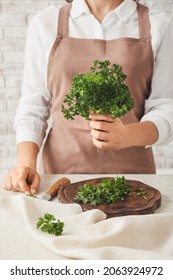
{"x":107,"y":133}
{"x":18,"y":176}
{"x":101,"y":117}
{"x":104,"y":122}
{"x":99,"y":134}
{"x":22,"y":176}
{"x":100,"y":129}
{"x":23,"y":185}
{"x":23,"y":179}
{"x":101,"y":126}
{"x":8,"y":185}
{"x":35,"y":185}
{"x":15,"y":184}
{"x":102,"y":145}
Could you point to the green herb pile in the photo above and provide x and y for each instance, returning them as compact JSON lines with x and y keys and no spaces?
{"x":32,"y":195}
{"x":49,"y":224}
{"x":102,"y":90}
{"x":108,"y":191}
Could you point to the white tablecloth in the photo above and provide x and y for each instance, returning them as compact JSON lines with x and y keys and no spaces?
{"x":87,"y":235}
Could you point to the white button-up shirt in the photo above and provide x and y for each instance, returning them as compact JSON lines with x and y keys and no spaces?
{"x":35,"y":103}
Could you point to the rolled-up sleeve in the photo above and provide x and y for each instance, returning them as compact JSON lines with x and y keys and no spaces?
{"x":34,"y":105}
{"x":159,"y":106}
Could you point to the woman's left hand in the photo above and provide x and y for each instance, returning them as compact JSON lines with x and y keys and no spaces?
{"x":108,"y":133}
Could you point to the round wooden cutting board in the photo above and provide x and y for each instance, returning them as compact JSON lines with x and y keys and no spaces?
{"x":132,"y":205}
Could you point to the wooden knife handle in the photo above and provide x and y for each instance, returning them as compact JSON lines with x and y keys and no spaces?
{"x":53,"y":190}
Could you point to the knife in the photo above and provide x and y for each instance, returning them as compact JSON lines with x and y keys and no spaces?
{"x":53,"y":190}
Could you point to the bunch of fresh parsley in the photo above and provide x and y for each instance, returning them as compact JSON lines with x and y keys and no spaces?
{"x":107,"y":192}
{"x":49,"y":224}
{"x":102,"y":90}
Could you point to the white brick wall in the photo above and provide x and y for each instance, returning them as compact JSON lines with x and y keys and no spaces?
{"x":14,"y":19}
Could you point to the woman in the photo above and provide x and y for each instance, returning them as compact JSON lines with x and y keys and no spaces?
{"x":116,"y":30}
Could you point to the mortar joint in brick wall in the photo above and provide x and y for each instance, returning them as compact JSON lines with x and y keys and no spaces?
{"x":2,"y":57}
{"x":3,"y":33}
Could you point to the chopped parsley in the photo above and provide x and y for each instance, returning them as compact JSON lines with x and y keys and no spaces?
{"x":49,"y":224}
{"x":107,"y":192}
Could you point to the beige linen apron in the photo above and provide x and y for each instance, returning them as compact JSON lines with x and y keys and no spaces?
{"x":69,"y":147}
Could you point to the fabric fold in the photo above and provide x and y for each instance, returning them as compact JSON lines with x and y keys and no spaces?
{"x":87,"y":235}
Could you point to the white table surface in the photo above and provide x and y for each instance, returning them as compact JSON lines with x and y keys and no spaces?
{"x":164,"y":183}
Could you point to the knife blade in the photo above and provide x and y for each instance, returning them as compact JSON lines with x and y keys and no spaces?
{"x":53,"y":189}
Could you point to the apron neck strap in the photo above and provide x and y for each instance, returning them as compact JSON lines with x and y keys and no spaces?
{"x":63,"y":21}
{"x":144,"y":23}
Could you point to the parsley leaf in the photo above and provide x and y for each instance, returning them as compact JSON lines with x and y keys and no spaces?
{"x":32,"y":195}
{"x":102,"y":90}
{"x":108,"y":191}
{"x":49,"y":224}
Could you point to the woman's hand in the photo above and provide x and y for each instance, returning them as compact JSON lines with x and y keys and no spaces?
{"x":108,"y":133}
{"x":23,"y":179}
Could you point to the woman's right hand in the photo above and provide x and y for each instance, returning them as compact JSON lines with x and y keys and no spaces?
{"x":23,"y":179}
